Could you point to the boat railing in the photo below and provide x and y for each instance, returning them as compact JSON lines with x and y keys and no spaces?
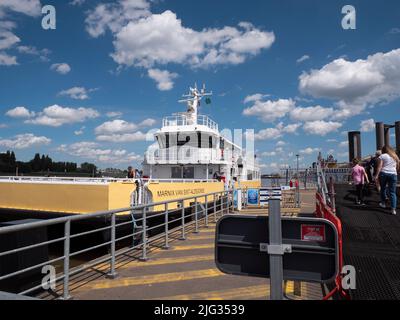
{"x":144,"y":226}
{"x":187,"y":154}
{"x":183,"y":120}
{"x":71,"y":180}
{"x":26,"y":179}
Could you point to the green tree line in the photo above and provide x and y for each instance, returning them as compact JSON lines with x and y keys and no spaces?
{"x":42,"y":164}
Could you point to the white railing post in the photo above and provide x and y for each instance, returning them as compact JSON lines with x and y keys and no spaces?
{"x":206,"y":206}
{"x":215,"y":208}
{"x":166,"y":221}
{"x":144,"y":236}
{"x":112,"y":274}
{"x":196,"y":221}
{"x":183,"y":236}
{"x":67,"y":234}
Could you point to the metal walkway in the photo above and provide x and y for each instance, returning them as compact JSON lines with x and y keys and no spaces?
{"x":184,"y":272}
{"x":371,"y":243}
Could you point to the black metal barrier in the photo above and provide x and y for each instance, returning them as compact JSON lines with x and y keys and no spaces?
{"x":299,"y":249}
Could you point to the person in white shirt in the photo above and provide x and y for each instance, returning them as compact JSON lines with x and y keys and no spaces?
{"x":388,"y":166}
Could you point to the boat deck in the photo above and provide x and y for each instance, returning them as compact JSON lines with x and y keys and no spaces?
{"x":371,"y":243}
{"x":185,"y":272}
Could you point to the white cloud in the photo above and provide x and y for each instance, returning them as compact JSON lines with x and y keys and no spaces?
{"x":344,"y":144}
{"x":116,"y":126}
{"x":269,"y":154}
{"x":280,"y":143}
{"x":77,"y":93}
{"x":77,"y":2}
{"x":309,"y":151}
{"x":113,"y":16}
{"x":93,"y":151}
{"x":160,"y":39}
{"x":7,"y":38}
{"x":28,"y":7}
{"x":61,"y":68}
{"x":122,"y":131}
{"x":356,"y":84}
{"x":147,"y":123}
{"x":7,"y":41}
{"x":80,"y":132}
{"x":144,"y":39}
{"x":254,"y":97}
{"x":163,"y":78}
{"x":321,"y":127}
{"x":7,"y":60}
{"x":56,"y":116}
{"x":24,"y":141}
{"x":114,"y":114}
{"x":20,"y":112}
{"x":367,"y":125}
{"x":269,"y":111}
{"x":394,"y":31}
{"x":122,"y":126}
{"x":311,"y":113}
{"x":31,"y":50}
{"x":268,"y":134}
{"x":122,"y":138}
{"x":303,"y":58}
{"x":290,"y":128}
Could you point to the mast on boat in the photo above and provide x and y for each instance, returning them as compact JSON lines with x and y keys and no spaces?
{"x":192,"y":99}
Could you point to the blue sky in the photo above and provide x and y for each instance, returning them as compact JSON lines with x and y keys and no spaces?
{"x":90,"y":89}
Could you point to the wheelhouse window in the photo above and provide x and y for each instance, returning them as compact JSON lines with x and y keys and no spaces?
{"x":188,"y":172}
{"x":176,"y":173}
{"x":182,"y":173}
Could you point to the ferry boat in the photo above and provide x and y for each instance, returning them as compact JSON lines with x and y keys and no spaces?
{"x":190,"y":157}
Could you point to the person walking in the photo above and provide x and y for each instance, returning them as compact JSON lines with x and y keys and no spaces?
{"x":388,"y":166}
{"x":359,"y":178}
{"x":131,"y":173}
{"x":374,"y":165}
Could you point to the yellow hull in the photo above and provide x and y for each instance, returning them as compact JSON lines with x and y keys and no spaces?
{"x":171,"y":191}
{"x":89,"y":198}
{"x":249,"y":184}
{"x":65,"y":198}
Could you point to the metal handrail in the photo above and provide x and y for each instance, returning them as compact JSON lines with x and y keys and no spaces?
{"x":182,"y":120}
{"x":226,"y":205}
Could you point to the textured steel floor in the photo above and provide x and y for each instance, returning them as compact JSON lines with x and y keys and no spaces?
{"x":371,"y":243}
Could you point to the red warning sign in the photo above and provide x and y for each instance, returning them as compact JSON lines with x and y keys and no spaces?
{"x":312,"y":233}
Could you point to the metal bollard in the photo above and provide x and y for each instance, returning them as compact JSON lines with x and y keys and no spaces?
{"x":144,"y":236}
{"x":206,"y":205}
{"x":112,"y":274}
{"x":196,"y":216}
{"x":67,"y":233}
{"x":183,"y":236}
{"x":166,"y":244}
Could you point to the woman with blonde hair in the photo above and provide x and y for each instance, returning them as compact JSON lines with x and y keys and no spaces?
{"x":388,"y":166}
